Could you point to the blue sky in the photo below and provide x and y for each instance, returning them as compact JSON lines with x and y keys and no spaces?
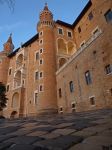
{"x":22,"y":22}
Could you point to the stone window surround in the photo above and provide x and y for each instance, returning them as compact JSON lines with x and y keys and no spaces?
{"x":40,"y":41}
{"x":62,"y":31}
{"x":35,"y":75}
{"x":35,"y":103}
{"x":42,"y":74}
{"x":82,"y":43}
{"x":95,"y":30}
{"x":36,"y":55}
{"x":71,"y":34}
{"x":42,"y":88}
{"x":93,"y":96}
{"x":40,"y":33}
{"x":41,"y":59}
{"x":40,"y":49}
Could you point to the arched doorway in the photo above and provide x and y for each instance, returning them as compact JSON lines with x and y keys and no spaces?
{"x":13,"y":114}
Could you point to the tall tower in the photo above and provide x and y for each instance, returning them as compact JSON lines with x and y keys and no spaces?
{"x":45,"y":28}
{"x":4,"y":60}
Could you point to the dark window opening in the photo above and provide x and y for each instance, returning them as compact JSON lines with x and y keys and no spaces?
{"x":10,"y":71}
{"x":60,"y":93}
{"x":7,"y":88}
{"x":108,"y":69}
{"x":69,"y":34}
{"x":79,"y":29}
{"x":36,"y":75}
{"x":108,"y":16}
{"x":37,"y":55}
{"x":90,"y":16}
{"x":71,"y":85}
{"x":60,"y":31}
{"x":92,"y":101}
{"x":88,"y":77}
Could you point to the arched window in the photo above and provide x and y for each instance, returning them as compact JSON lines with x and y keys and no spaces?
{"x":17,"y":79}
{"x":71,"y":48}
{"x":19,"y":60}
{"x":61,"y":46}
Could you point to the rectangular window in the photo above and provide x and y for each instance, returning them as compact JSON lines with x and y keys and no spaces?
{"x":90,"y":16}
{"x":108,"y":16}
{"x":41,"y":74}
{"x":41,"y":42}
{"x":92,"y":100}
{"x":41,"y":51}
{"x":36,"y":98}
{"x":96,"y":31}
{"x":60,"y":93}
{"x":37,"y":56}
{"x":10,"y":71}
{"x":69,"y":34}
{"x":41,"y":61}
{"x":79,"y":29}
{"x":36,"y":75}
{"x":88,"y":77}
{"x":82,"y":44}
{"x":60,"y":31}
{"x":71,"y":85}
{"x":41,"y":88}
{"x":108,"y":69}
{"x":73,"y":107}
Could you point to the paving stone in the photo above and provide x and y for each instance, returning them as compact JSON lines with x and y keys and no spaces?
{"x":63,"y":125}
{"x":107,"y":133}
{"x":50,"y":135}
{"x":5,"y":137}
{"x":37,"y":133}
{"x":81,"y":125}
{"x":5,"y":146}
{"x":102,"y":121}
{"x":60,"y":143}
{"x":20,"y":132}
{"x":99,"y":140}
{"x":98,"y":128}
{"x":84,"y":146}
{"x":24,"y":140}
{"x":47,"y":129}
{"x":7,"y":130}
{"x":85,"y":133}
{"x":25,"y":147}
{"x":64,"y":131}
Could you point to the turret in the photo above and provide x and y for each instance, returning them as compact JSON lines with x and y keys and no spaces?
{"x":8,"y":46}
{"x":4,"y":60}
{"x":45,"y":27}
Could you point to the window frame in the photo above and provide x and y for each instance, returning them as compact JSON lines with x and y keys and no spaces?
{"x":88,"y":78}
{"x":71,"y":86}
{"x":35,"y":100}
{"x":108,"y":69}
{"x":106,"y":15}
{"x":62,"y":33}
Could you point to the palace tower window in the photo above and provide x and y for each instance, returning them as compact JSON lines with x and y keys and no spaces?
{"x":88,"y":77}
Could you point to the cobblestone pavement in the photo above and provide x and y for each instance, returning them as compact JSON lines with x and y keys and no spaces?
{"x":78,"y":131}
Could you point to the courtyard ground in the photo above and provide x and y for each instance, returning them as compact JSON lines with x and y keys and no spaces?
{"x":77,"y":131}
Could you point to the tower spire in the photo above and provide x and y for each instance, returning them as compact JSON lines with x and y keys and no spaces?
{"x":8,"y":46}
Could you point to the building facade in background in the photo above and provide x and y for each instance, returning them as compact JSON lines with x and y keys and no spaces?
{"x":64,"y":67}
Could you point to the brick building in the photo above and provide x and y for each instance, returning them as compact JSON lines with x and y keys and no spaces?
{"x":64,"y":67}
